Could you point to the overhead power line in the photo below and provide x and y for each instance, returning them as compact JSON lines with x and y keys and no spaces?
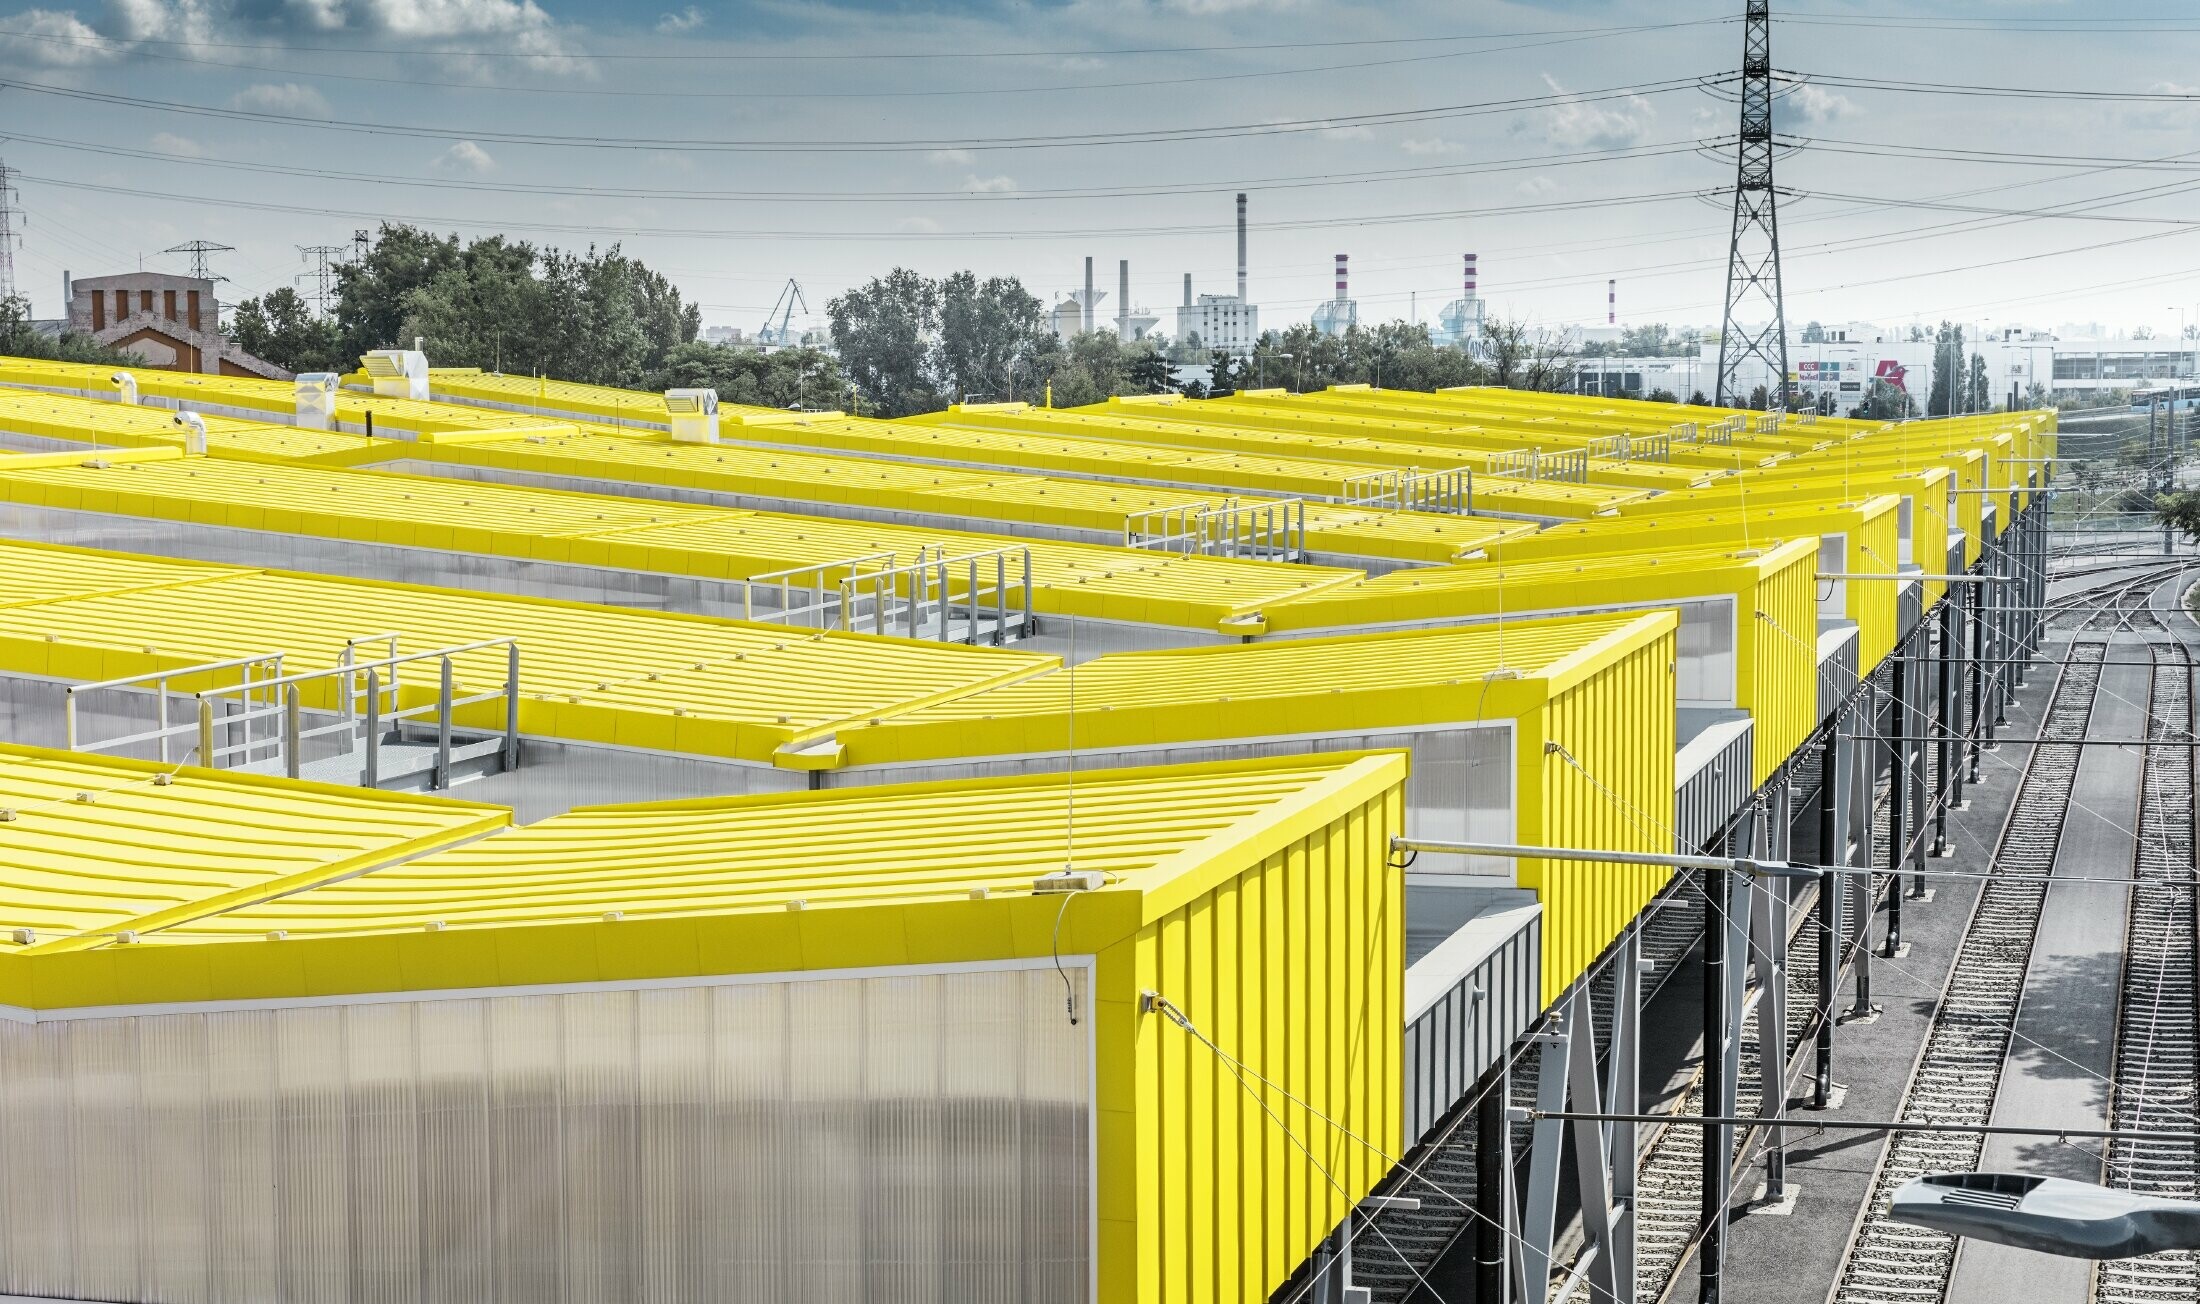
{"x":688,"y":144}
{"x":728,"y":233}
{"x":567,"y":88}
{"x":1659,"y":149}
{"x":856,"y":56}
{"x":2005,"y":92}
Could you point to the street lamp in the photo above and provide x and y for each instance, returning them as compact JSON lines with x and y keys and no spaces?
{"x":2050,"y":1214}
{"x":1260,"y":366}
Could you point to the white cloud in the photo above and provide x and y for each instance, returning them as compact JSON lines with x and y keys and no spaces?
{"x":1609,"y":124}
{"x":1537,"y":187}
{"x":180,"y":146}
{"x":53,"y":40}
{"x":288,"y":98}
{"x":958,"y":157}
{"x":465,"y":156}
{"x":160,"y":20}
{"x":990,"y":185}
{"x":922,"y":225}
{"x":1425,"y":146}
{"x":687,"y":20}
{"x":1345,"y":133}
{"x":1814,"y":105}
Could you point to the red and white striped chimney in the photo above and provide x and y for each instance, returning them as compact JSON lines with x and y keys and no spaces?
{"x":1341,"y":279}
{"x":1470,"y":276}
{"x":1611,"y":302}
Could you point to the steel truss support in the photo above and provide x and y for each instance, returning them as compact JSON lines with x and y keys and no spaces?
{"x":1753,"y":255}
{"x":1493,"y":1184}
{"x":1604,"y":1153}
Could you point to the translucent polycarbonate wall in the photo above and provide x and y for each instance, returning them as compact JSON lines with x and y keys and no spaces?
{"x":905,"y":1137}
{"x":1705,"y":669}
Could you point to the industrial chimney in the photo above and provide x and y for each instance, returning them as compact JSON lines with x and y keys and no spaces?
{"x":1086,"y":305}
{"x":1187,"y":289}
{"x":1123,"y":299}
{"x":1470,"y":276}
{"x":1241,"y":247}
{"x":1611,"y":302}
{"x":1341,"y":280}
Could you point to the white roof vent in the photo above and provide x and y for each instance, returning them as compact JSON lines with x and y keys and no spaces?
{"x":692,"y":415}
{"x":398,"y":373}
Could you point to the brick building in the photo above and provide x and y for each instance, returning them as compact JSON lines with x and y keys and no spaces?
{"x":173,"y":322}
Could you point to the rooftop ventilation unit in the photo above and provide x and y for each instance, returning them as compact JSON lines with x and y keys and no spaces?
{"x":194,"y":433}
{"x":692,"y":415}
{"x":125,"y":388}
{"x":316,"y":400}
{"x":398,"y":373}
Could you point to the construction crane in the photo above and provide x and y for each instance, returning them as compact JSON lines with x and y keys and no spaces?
{"x":770,"y":336}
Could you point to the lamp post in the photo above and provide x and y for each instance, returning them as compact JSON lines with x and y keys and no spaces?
{"x":1260,"y":366}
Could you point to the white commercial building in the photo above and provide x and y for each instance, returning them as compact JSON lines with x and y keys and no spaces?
{"x":1220,"y":321}
{"x":1844,"y":366}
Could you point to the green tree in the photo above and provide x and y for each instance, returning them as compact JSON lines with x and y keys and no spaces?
{"x":596,"y":316}
{"x":989,"y":334}
{"x":1982,"y":395}
{"x":18,"y":338}
{"x":2180,"y":512}
{"x":1947,"y":390}
{"x":1883,"y":402}
{"x":885,"y":332}
{"x":804,"y":378}
{"x":1522,"y":357}
{"x":280,"y":327}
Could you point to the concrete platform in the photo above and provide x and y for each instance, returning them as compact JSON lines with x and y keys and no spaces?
{"x":1793,"y":1256}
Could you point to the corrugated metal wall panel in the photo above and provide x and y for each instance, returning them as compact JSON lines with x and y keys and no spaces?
{"x":1295,"y":968}
{"x":1448,"y":1045}
{"x":1611,"y":787}
{"x":1784,"y":663}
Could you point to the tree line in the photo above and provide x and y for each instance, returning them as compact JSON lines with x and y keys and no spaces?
{"x":902,"y":343}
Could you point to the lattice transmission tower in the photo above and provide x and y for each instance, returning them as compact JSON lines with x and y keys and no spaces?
{"x":199,"y":249}
{"x":325,"y":259}
{"x":1753,"y":260}
{"x":8,"y":234}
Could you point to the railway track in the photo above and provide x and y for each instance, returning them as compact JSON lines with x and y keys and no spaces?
{"x":1959,"y":1066}
{"x":2155,"y":1065}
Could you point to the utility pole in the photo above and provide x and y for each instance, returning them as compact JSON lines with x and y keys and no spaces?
{"x":199,"y":249}
{"x":9,"y":237}
{"x":323,"y":273}
{"x":1753,"y":257}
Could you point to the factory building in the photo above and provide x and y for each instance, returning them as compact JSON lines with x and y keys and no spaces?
{"x":1221,"y":321}
{"x":847,"y":905}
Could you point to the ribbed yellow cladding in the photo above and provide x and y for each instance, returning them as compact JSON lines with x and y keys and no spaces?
{"x":588,"y":673}
{"x":96,"y":845}
{"x":1175,"y":453}
{"x":1253,"y":895}
{"x":627,"y":534}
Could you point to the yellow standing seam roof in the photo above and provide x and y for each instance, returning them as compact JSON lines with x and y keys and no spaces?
{"x":1149,"y":586}
{"x":974,"y":437}
{"x":1299,"y":686}
{"x":96,"y":845}
{"x":658,"y":680}
{"x":1491,"y":587}
{"x":833,"y":848}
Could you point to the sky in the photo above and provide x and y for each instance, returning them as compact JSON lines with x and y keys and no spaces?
{"x":737,"y":145}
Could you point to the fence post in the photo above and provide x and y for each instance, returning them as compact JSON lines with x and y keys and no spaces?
{"x":290,"y":730}
{"x":206,"y":732}
{"x":511,"y":707}
{"x":442,"y":776}
{"x":370,"y":777}
{"x":1000,"y":598}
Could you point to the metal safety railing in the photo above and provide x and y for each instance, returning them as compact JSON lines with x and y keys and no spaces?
{"x":1631,"y":448}
{"x":1568,"y":467}
{"x":260,"y":722}
{"x":1265,"y":529}
{"x":1769,"y":420}
{"x":808,"y":595}
{"x":968,"y":598}
{"x":1448,"y":492}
